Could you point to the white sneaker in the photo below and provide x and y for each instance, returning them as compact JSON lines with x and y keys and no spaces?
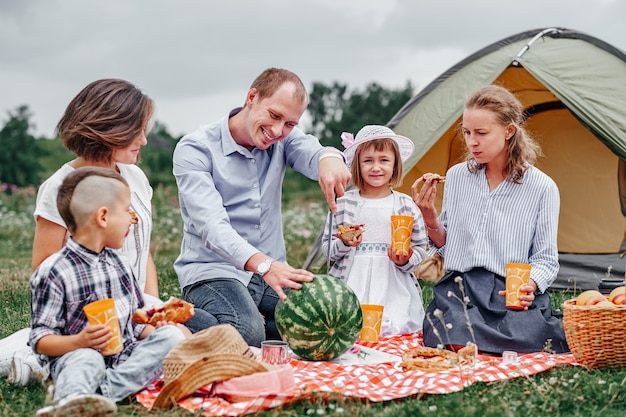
{"x":25,"y":368}
{"x":9,"y":345}
{"x":91,"y":405}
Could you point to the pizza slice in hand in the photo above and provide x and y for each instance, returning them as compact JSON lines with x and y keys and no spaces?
{"x":347,"y":232}
{"x":174,"y":310}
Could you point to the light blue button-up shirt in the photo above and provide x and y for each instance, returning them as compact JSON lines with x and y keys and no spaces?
{"x":230,"y":199}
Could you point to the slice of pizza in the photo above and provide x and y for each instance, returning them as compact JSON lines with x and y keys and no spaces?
{"x":174,"y":309}
{"x":427,"y":359}
{"x":348,"y":232}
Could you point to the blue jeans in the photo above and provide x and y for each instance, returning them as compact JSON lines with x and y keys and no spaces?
{"x":249,"y":309}
{"x":83,"y":371}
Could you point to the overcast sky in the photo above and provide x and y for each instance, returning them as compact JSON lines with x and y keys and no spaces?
{"x":197,"y":58}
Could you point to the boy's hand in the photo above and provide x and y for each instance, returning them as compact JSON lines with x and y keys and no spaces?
{"x":95,"y":336}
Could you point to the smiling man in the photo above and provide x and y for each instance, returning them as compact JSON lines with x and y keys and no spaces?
{"x":229,"y":174}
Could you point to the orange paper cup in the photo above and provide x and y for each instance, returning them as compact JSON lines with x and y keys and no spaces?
{"x":372,"y":319}
{"x":516,"y":276}
{"x":401,"y":230}
{"x":103,"y":312}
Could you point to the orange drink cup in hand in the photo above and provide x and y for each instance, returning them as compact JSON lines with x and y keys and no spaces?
{"x":401,"y":230}
{"x":516,"y":276}
{"x":372,"y":319}
{"x":103,"y":312}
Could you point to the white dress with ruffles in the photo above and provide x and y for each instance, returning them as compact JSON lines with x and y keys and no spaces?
{"x":375,"y":278}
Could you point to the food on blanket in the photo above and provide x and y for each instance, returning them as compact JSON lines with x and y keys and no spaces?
{"x":174,"y":309}
{"x":618,"y":296}
{"x":320,"y":321}
{"x":427,"y":359}
{"x":589,"y":298}
{"x":350,"y":231}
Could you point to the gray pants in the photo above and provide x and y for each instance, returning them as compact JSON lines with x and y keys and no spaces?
{"x":83,"y":371}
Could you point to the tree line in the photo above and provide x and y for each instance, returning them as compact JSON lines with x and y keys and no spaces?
{"x":27,"y":160}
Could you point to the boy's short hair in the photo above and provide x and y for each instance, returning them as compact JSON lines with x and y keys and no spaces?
{"x":100,"y":190}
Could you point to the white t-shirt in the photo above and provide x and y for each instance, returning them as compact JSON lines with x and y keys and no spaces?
{"x":137,"y":243}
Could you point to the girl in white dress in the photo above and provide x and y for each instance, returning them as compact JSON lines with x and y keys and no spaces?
{"x":368,"y":263}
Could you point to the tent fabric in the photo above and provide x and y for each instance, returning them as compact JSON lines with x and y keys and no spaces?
{"x":573,"y":87}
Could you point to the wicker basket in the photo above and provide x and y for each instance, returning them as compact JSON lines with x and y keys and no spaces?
{"x":596,"y":335}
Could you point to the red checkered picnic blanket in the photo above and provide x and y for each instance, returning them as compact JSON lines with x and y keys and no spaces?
{"x":376,"y":382}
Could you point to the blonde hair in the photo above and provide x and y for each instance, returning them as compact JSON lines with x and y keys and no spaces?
{"x":522,"y":150}
{"x":378,"y":145}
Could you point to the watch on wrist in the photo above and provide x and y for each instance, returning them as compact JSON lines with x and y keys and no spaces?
{"x":264,"y":267}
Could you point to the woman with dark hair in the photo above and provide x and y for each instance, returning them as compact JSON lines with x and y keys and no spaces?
{"x":105,"y":125}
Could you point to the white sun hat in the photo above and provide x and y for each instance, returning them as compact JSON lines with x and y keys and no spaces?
{"x":371,"y":132}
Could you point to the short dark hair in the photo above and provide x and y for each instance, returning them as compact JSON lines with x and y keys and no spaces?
{"x":105,"y":115}
{"x":69,"y":184}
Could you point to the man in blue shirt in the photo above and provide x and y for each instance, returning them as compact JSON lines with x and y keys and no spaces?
{"x":229,"y":175}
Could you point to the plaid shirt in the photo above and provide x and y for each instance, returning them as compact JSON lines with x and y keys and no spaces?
{"x":73,"y":277}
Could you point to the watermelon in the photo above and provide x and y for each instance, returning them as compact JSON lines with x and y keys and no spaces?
{"x":320,"y":321}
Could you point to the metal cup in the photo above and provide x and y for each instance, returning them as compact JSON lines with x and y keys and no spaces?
{"x":276,"y":352}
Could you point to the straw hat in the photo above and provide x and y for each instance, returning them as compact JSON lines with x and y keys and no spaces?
{"x":214,"y":354}
{"x":371,"y":132}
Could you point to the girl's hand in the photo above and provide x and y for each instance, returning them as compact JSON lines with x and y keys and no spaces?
{"x":356,"y":241}
{"x":399,"y":257}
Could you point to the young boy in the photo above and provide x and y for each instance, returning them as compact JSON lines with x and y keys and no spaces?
{"x":95,"y":205}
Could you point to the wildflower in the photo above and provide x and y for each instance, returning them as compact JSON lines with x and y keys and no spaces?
{"x":449,"y":326}
{"x":438,"y":313}
{"x":450,"y":294}
{"x":432,"y":408}
{"x":458,"y":280}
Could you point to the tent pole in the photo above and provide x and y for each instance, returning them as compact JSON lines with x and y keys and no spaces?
{"x":516,"y":61}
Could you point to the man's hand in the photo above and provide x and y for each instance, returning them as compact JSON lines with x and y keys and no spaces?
{"x":282,"y":276}
{"x":334,"y":179}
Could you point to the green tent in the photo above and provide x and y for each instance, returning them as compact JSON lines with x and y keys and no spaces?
{"x":573,"y":87}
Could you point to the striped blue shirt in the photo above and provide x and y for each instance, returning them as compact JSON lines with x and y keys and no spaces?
{"x":512,"y":223}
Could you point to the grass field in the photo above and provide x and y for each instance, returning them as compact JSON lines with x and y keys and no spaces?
{"x":562,"y":391}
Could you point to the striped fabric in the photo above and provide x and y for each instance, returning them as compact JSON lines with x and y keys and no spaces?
{"x":512,"y":223}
